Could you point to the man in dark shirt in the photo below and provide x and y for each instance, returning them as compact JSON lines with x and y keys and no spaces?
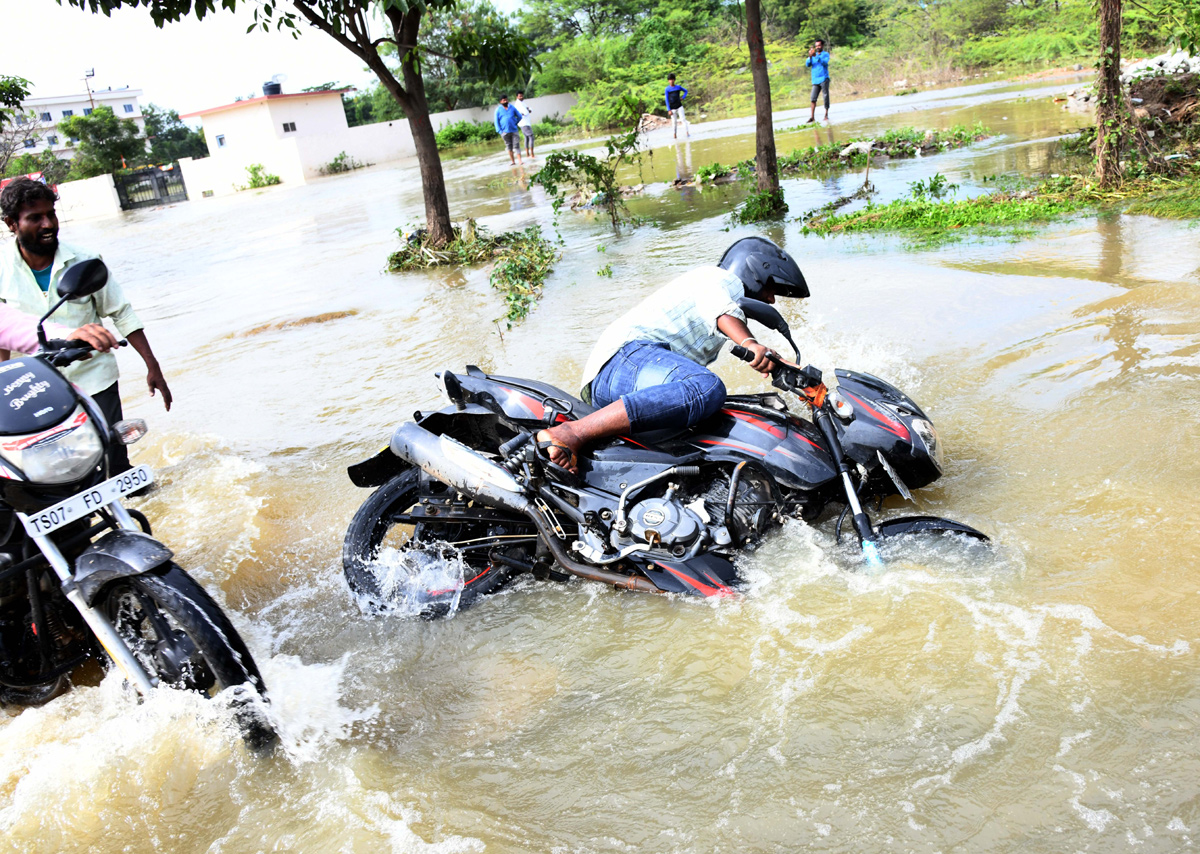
{"x":675,"y":96}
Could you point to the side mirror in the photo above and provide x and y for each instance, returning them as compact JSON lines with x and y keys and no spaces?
{"x":768,"y":316}
{"x":83,"y":279}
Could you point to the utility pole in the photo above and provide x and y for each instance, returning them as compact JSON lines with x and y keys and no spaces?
{"x":87,"y":76}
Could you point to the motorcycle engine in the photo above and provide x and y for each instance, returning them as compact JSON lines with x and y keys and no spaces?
{"x":663,"y":521}
{"x":752,"y":507}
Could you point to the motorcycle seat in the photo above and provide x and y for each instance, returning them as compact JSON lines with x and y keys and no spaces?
{"x":573,"y":407}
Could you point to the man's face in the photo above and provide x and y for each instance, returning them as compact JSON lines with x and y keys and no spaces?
{"x":36,"y":228}
{"x":504,"y":102}
{"x":820,"y":45}
{"x":520,"y":96}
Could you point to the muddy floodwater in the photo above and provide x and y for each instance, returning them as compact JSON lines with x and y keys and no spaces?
{"x":1042,"y":697}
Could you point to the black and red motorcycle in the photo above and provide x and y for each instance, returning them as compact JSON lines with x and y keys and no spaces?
{"x":465,"y":501}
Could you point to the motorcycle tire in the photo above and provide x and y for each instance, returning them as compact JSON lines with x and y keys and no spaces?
{"x":183,"y":639}
{"x":35,"y":695}
{"x":374,"y":526}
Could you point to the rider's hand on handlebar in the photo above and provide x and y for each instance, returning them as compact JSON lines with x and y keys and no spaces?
{"x":95,"y":336}
{"x":764,"y":359}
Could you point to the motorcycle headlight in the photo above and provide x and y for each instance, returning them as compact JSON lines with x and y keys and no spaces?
{"x":59,"y":455}
{"x":929,"y":437}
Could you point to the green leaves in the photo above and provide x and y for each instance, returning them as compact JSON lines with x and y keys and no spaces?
{"x":13,"y":90}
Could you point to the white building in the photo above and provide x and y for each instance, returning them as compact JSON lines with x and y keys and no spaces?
{"x":48,"y":112}
{"x":294,"y":135}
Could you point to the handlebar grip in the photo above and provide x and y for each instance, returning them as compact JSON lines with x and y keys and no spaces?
{"x":515,"y":444}
{"x":742,"y":353}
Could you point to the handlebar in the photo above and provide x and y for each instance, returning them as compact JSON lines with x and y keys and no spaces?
{"x":61,"y":352}
{"x":783,"y":376}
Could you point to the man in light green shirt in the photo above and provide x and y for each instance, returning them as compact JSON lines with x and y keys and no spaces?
{"x":30,"y":269}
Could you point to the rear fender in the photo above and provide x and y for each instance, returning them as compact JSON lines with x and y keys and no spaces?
{"x":118,"y":554}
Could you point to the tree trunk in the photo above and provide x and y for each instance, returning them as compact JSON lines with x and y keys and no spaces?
{"x":433,"y":182}
{"x":765,"y":165}
{"x":1111,"y":115}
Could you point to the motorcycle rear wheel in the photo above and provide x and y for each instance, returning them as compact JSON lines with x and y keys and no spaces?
{"x":182,"y":638}
{"x":375,"y":527}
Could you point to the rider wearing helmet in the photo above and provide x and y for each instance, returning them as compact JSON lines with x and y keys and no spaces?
{"x":647,"y":370}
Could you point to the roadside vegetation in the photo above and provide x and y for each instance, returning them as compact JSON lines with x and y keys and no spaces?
{"x":472,"y":133}
{"x":259,"y":177}
{"x":342,"y":162}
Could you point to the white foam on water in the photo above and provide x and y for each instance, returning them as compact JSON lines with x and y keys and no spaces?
{"x":1096,"y":819}
{"x":410,"y":577}
{"x":306,"y":706}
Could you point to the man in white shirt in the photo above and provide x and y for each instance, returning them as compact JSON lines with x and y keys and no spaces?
{"x":526,"y":123}
{"x":30,"y":268}
{"x":647,"y":370}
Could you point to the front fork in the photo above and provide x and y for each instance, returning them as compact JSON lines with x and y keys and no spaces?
{"x":862,"y":524}
{"x":116,"y":648}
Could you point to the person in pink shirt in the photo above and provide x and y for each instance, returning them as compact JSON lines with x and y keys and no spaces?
{"x":18,"y":331}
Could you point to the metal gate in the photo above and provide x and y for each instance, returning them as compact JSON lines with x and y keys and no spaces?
{"x":150,"y":186}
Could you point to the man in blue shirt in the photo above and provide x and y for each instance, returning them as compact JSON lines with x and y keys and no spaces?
{"x":675,"y":96}
{"x":507,"y":120}
{"x":818,"y":61}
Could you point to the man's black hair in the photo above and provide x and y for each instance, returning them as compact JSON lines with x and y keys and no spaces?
{"x":671,"y":76}
{"x":22,"y":192}
{"x":503,"y":97}
{"x":519,"y":94}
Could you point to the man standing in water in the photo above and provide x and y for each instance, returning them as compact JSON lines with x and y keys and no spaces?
{"x":30,"y":269}
{"x":818,"y":61}
{"x":675,"y":96}
{"x":526,"y":123}
{"x":508,"y":124}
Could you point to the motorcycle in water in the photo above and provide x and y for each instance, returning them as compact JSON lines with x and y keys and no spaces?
{"x":664,"y":512}
{"x":80,"y":573}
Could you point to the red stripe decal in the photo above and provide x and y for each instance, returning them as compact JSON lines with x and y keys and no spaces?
{"x":719,"y":590}
{"x":738,"y":446}
{"x":757,"y":422}
{"x":890,"y":424}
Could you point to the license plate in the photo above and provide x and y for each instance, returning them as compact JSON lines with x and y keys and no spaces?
{"x":87,"y":502}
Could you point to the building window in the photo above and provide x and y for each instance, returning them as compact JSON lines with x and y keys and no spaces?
{"x":46,"y":117}
{"x":21,"y":119}
{"x":29,"y":143}
{"x":72,"y":140}
{"x":129,"y":108}
{"x":289,"y":127}
{"x":68,"y":113}
{"x":52,"y":139}
{"x":220,"y":140}
{"x":87,"y":111}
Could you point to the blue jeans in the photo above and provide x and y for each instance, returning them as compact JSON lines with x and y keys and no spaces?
{"x":660,"y":389}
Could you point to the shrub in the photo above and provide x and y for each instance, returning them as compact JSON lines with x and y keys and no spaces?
{"x":342,"y":163}
{"x":259,"y":177}
{"x":464,"y":133}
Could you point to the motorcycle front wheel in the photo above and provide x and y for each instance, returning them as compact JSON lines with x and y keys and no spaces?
{"x":183,"y":639}
{"x":394,"y":565}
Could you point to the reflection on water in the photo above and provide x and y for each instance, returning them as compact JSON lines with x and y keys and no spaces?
{"x":1042,"y":698}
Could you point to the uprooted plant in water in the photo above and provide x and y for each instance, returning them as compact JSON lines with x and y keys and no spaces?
{"x":523,"y":261}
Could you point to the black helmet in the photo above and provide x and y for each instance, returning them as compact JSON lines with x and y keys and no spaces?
{"x":758,"y":262}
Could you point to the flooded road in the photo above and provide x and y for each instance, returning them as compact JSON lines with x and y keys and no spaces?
{"x":1045,"y":698}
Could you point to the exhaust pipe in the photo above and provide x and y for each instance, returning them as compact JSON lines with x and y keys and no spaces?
{"x":454,"y":463}
{"x":457,"y":465}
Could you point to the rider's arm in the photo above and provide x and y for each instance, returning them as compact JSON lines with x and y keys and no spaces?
{"x":739,"y":333}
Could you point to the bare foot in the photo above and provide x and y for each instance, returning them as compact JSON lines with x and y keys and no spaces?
{"x":564,"y":450}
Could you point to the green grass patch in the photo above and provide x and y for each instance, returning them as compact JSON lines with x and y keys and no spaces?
{"x":899,"y":143}
{"x":523,"y":261}
{"x":760,"y":207}
{"x":1179,"y":202}
{"x":930,"y":220}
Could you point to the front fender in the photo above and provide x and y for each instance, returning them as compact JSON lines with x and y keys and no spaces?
{"x":118,"y":554}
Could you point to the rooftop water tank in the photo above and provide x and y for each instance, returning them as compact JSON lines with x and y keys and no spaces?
{"x":272,"y":88}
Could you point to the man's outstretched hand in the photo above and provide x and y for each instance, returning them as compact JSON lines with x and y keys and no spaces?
{"x":95,"y":335}
{"x":156,"y":382}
